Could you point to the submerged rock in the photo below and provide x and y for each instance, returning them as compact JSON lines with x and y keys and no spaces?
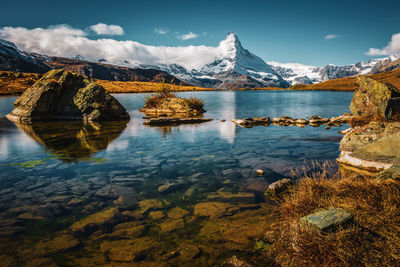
{"x":62,"y":95}
{"x":177,"y":213}
{"x":235,"y":262}
{"x":56,"y":245}
{"x":95,"y":221}
{"x":152,"y":204}
{"x":327,"y":219}
{"x":241,"y":197}
{"x":128,"y":250}
{"x":373,"y":98}
{"x":212,"y":209}
{"x":171,"y":225}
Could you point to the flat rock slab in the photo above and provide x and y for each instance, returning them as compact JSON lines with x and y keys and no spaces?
{"x":174,"y":121}
{"x":327,"y":219}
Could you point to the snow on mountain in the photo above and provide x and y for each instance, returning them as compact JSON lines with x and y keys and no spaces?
{"x":296,"y":73}
{"x":12,"y":59}
{"x":232,"y":64}
{"x":232,"y":67}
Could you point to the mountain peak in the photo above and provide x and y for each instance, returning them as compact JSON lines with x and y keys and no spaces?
{"x":230,"y":45}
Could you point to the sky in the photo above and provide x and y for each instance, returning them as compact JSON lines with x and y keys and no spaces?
{"x":309,"y":32}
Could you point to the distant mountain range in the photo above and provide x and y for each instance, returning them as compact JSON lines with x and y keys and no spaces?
{"x":296,"y":73}
{"x":233,"y":67}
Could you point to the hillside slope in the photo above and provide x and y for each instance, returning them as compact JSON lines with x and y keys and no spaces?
{"x":349,"y":83}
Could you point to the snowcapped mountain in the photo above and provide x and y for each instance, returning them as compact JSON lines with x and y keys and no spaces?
{"x":230,"y":66}
{"x":233,"y":67}
{"x":296,"y":73}
{"x":12,"y":59}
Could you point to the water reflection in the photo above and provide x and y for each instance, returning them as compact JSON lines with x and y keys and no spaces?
{"x":73,"y":141}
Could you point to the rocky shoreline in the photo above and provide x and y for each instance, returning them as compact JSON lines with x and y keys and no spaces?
{"x":314,"y":121}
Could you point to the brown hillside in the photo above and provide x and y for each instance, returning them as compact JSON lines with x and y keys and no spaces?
{"x":15,"y":83}
{"x":344,"y":84}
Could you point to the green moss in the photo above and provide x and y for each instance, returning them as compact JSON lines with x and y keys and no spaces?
{"x":30,"y":164}
{"x":261,"y":245}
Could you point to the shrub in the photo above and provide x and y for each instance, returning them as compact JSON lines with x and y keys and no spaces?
{"x":372,"y":239}
{"x":195,"y":103}
{"x":164,"y":90}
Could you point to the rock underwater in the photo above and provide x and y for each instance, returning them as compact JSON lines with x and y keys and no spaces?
{"x":62,"y":95}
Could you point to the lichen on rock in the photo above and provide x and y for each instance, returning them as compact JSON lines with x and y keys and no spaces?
{"x":375,"y":98}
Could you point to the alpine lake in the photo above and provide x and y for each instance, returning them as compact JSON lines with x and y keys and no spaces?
{"x":123,"y":194}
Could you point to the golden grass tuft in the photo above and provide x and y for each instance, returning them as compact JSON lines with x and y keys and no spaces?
{"x":372,"y":239}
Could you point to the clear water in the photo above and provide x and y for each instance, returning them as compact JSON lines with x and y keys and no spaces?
{"x":48,"y":165}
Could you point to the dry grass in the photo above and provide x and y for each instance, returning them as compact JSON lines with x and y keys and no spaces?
{"x":195,"y":103}
{"x":164,"y":90}
{"x":15,"y":83}
{"x":142,"y":87}
{"x":371,"y":240}
{"x":169,"y":90}
{"x":344,"y":84}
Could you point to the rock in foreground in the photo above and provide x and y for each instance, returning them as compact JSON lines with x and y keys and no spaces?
{"x":327,"y":219}
{"x":374,"y":98}
{"x":371,"y":148}
{"x":62,"y":95}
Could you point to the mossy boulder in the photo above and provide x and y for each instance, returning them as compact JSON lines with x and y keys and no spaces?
{"x":62,"y":95}
{"x":375,"y":98}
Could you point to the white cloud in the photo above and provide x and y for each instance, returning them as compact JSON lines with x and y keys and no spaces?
{"x":393,"y":47}
{"x":104,"y":29}
{"x":161,"y":31}
{"x":187,"y":36}
{"x":332,"y":36}
{"x":65,"y":41}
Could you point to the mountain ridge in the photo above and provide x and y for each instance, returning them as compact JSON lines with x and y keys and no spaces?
{"x":233,"y":67}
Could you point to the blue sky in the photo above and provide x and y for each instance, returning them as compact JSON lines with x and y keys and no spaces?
{"x":283,"y":31}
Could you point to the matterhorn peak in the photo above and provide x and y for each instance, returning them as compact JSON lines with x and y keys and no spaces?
{"x":230,"y":45}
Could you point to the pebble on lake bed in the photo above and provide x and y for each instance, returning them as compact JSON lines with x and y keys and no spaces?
{"x":260,"y":172}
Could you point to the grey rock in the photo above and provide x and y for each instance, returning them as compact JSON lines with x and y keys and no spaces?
{"x":326,"y":219}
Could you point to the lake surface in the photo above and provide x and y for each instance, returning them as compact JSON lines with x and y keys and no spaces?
{"x":55,"y":174}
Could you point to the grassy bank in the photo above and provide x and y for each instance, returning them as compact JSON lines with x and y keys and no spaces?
{"x":372,"y":239}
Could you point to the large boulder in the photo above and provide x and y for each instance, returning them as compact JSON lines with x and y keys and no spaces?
{"x":373,"y":147}
{"x":374,"y":98}
{"x":62,"y":95}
